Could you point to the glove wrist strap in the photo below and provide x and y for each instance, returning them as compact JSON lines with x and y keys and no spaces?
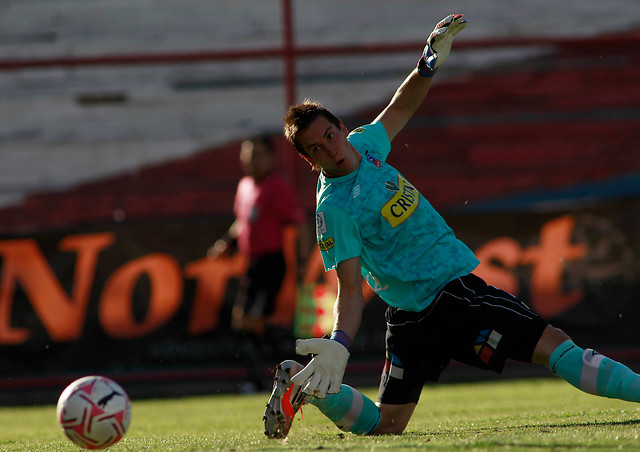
{"x":425,"y":70}
{"x":341,"y":337}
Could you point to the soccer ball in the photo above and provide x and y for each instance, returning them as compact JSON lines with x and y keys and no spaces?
{"x":94,"y":412}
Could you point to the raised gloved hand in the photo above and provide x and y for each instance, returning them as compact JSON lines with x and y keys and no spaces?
{"x":324,"y":372}
{"x":439,"y":44}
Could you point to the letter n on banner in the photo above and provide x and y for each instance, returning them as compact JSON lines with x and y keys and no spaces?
{"x":62,"y":316}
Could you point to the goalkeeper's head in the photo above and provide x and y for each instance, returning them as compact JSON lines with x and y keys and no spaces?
{"x":300,"y":116}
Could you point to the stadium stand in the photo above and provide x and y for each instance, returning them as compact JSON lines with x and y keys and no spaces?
{"x":497,"y":133}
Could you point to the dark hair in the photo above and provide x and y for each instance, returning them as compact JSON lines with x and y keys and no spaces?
{"x":300,"y":116}
{"x":263,"y":139}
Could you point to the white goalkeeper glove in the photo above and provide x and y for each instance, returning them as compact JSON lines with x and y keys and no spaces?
{"x":439,"y":44}
{"x":324,"y":372}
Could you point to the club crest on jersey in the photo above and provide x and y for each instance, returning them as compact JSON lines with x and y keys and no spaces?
{"x":375,"y":161}
{"x":321,"y":225}
{"x":402,"y":205}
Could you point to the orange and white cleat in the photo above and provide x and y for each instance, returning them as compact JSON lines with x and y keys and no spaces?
{"x":285,"y":401}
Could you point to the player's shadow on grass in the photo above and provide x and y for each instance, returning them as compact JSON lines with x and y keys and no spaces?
{"x":537,"y":426}
{"x":585,"y":424}
{"x":518,"y":429}
{"x":548,"y":428}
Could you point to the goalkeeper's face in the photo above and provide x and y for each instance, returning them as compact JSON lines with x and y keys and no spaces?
{"x":328,"y":149}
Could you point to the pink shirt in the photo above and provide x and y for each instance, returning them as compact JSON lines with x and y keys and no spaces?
{"x":263,"y":209}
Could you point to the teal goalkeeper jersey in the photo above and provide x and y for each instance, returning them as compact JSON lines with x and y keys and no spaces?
{"x":407,"y":251}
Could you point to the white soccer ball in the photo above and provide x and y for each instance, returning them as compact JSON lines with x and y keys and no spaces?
{"x":94,"y":412}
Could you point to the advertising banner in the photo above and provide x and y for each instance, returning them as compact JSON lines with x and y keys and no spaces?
{"x":130,"y":296}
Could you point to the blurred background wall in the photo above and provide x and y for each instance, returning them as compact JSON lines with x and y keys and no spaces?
{"x":119,"y":130}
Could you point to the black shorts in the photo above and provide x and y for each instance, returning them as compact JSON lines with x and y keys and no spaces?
{"x":468,"y":321}
{"x":261,"y":284}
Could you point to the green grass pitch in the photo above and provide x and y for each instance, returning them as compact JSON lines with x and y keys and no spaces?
{"x":513,"y":415}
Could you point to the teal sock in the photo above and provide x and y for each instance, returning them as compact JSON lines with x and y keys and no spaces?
{"x":349,"y":410}
{"x":594,"y":373}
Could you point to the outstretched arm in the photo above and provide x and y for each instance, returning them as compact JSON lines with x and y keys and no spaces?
{"x":404,"y":103}
{"x":415,"y":87}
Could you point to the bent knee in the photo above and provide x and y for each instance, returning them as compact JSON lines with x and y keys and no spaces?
{"x":390,"y":428}
{"x":393,"y":418}
{"x":551,"y":338}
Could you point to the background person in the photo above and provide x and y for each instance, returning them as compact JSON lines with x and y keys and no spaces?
{"x":264,"y":206}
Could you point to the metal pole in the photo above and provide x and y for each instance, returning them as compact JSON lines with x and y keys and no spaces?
{"x":289,"y":54}
{"x":289,"y":85}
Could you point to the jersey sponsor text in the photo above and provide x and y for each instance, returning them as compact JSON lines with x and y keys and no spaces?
{"x":326,"y":245}
{"x":402,"y":205}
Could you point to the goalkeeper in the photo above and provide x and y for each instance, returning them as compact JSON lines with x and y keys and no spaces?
{"x":372,"y":223}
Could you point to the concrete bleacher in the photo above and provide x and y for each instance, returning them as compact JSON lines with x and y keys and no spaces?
{"x":80,"y":143}
{"x":480,"y":137}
